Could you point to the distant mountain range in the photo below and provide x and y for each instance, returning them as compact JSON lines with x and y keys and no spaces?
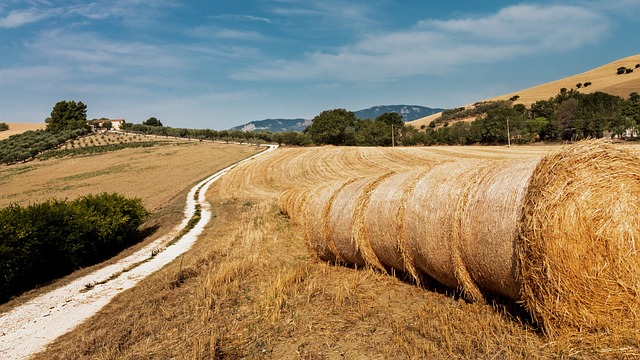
{"x":408,"y":113}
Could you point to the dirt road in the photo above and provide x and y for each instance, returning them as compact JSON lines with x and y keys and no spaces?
{"x":28,"y":328}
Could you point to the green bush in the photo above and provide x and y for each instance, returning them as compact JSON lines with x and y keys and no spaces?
{"x":4,"y":126}
{"x":41,"y":242}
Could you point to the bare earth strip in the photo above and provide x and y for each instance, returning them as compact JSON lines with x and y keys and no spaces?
{"x":26,"y":329}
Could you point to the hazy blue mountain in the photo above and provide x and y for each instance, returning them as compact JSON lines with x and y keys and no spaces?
{"x":408,"y":113}
{"x":274,"y":125}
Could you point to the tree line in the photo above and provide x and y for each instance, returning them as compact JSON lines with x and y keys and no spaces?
{"x":568,"y":116}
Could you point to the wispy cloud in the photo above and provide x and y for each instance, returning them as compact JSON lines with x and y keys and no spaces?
{"x":239,"y":17}
{"x":31,"y":74}
{"x":90,"y":49}
{"x":215,"y":32}
{"x":17,"y":18}
{"x":38,"y":10}
{"x":435,"y":46}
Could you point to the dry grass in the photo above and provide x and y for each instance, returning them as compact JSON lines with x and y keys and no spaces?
{"x":248,"y":288}
{"x":161,"y":176}
{"x":17,"y":128}
{"x":155,"y":174}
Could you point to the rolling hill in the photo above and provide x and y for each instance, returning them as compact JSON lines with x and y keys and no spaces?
{"x":604,"y":78}
{"x":17,"y":128}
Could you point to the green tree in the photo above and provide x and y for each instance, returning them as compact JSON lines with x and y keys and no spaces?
{"x":540,"y":127}
{"x":597,"y":110}
{"x":152,"y":121}
{"x":67,"y":115}
{"x":333,"y":127}
{"x":4,"y":126}
{"x":372,"y":133}
{"x":391,"y":118}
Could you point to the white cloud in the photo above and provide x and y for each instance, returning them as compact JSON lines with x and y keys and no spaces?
{"x":436,"y":46}
{"x":88,"y":49}
{"x":227,"y":34}
{"x":30,"y":74}
{"x":17,"y":18}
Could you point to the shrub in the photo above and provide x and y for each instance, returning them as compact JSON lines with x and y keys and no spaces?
{"x":44,"y":241}
{"x":621,"y":70}
{"x":4,"y":126}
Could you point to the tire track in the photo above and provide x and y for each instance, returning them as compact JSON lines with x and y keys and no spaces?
{"x":28,"y":328}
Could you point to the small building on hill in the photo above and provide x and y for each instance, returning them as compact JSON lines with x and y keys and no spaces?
{"x":116,"y":124}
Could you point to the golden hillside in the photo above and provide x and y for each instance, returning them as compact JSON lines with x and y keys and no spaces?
{"x":603,"y":78}
{"x":17,"y":128}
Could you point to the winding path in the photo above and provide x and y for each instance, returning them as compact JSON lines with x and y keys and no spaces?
{"x":27,"y":329}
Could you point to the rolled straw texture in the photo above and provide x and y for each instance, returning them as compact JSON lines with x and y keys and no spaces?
{"x":461,"y":225}
{"x":292,"y":202}
{"x":384,"y":224}
{"x":339,"y":227}
{"x":314,"y":216}
{"x":579,"y":239}
{"x":559,"y":234}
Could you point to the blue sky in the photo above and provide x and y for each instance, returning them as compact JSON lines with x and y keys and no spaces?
{"x":220,"y":63}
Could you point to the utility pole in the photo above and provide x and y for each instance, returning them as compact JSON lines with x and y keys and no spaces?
{"x":393,"y":143}
{"x":508,"y":135}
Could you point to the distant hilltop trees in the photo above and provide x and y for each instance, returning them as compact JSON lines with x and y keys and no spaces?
{"x":625,"y":70}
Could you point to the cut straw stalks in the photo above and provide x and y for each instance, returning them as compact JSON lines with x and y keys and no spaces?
{"x":560,"y":234}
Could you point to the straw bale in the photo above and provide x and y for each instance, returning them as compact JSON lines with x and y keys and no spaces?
{"x":429,"y":223}
{"x":559,"y":235}
{"x":384,"y":220}
{"x":579,"y":239}
{"x":489,"y":213}
{"x":339,"y":227}
{"x":314,"y":217}
{"x":291,"y":203}
{"x":360,"y":235}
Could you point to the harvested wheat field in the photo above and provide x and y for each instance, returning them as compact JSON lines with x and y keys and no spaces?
{"x":558,"y":234}
{"x":160,"y":176}
{"x":249,"y":288}
{"x":17,"y":128}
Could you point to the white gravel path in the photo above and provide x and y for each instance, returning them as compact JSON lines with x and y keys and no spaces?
{"x":27,"y":329}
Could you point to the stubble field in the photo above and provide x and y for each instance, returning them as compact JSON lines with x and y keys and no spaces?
{"x":249,"y":288}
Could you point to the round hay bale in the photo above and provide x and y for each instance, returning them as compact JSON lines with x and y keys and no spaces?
{"x":461,"y":225}
{"x":579,"y":239}
{"x":291,"y":203}
{"x":384,"y":223}
{"x":314,"y":218}
{"x":360,"y":235}
{"x":430,"y":218}
{"x":489,"y":212}
{"x":339,"y":227}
